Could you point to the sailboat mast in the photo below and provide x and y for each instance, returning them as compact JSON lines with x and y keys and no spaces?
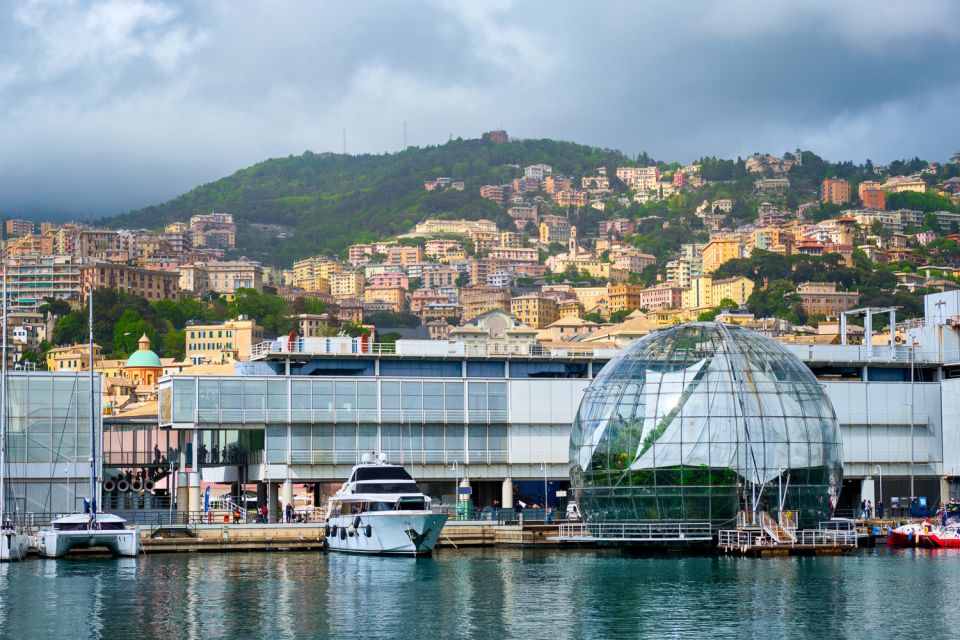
{"x":3,"y":404}
{"x":93,"y":407}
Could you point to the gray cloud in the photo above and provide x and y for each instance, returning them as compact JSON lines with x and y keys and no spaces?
{"x":107,"y":105}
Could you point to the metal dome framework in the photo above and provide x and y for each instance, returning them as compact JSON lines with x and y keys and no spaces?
{"x":697,"y":422}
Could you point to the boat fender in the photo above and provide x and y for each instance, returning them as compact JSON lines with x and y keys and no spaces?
{"x":333,"y":531}
{"x":368,"y":530}
{"x":326,"y":531}
{"x":351,"y":530}
{"x":356,"y":522}
{"x":343,"y":533}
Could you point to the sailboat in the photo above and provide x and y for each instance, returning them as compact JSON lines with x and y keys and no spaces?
{"x":13,"y":542}
{"x":91,"y":528}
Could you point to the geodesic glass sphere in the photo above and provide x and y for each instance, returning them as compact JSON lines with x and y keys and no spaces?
{"x":698,"y":421}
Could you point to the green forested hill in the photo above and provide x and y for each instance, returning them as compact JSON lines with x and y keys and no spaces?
{"x":329,"y":201}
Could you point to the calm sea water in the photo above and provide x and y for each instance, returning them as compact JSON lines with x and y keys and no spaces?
{"x":526,"y":594}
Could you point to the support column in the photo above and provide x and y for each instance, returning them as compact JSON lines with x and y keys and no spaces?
{"x":183,"y":492}
{"x":506,"y":493}
{"x":287,"y":497}
{"x":843,"y":328}
{"x":196,"y":503}
{"x":273,"y":501}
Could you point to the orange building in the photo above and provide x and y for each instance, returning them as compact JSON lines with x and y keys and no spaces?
{"x":836,"y":191}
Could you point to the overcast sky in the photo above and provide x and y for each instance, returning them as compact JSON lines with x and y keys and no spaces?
{"x":111,"y":105}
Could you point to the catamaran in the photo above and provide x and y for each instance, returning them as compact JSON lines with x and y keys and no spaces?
{"x":13,"y":542}
{"x":380,"y":510}
{"x":89,"y":529}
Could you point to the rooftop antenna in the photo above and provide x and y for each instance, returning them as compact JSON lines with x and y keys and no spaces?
{"x":344,"y":142}
{"x":404,"y":136}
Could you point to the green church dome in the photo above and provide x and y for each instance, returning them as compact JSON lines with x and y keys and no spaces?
{"x":144,"y":357}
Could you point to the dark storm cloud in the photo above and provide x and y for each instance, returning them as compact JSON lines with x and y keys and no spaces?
{"x":106,"y":105}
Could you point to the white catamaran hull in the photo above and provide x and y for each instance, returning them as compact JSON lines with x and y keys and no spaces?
{"x":56,"y":544}
{"x":386,"y":533}
{"x":13,"y":546}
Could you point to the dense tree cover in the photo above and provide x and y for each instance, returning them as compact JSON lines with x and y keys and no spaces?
{"x":392,"y":319}
{"x":332,"y":200}
{"x":926,"y":201}
{"x":120,"y":319}
{"x":776,"y":278}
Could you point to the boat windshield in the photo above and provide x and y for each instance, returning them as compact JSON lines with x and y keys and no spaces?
{"x":411,"y":504}
{"x":382,"y":473}
{"x":387,"y":487}
{"x":83,"y":526}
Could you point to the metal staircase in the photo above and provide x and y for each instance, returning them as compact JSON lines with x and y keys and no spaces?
{"x":778,"y":533}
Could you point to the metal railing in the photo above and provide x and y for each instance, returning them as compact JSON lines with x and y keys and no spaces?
{"x":637,"y":532}
{"x":419,"y":348}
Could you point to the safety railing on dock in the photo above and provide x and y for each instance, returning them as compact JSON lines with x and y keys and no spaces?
{"x":636,"y":532}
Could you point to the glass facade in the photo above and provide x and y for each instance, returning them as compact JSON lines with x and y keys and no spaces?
{"x":48,"y":440}
{"x":699,"y":421}
{"x":282,"y":400}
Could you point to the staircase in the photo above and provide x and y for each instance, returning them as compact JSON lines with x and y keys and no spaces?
{"x":777,"y":533}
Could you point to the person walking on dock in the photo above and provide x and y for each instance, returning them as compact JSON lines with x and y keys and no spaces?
{"x":880,"y":509}
{"x":289,"y":512}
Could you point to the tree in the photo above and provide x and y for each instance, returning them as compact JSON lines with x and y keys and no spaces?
{"x":55,"y":307}
{"x":175,"y":344}
{"x":620,"y":316}
{"x":130,"y":327}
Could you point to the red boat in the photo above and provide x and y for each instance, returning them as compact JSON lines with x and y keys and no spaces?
{"x":947,"y":537}
{"x":915,"y":534}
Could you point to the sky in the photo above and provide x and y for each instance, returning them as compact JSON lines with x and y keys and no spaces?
{"x":110,"y":105}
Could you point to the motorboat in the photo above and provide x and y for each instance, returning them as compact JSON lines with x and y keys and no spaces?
{"x":88,"y":531}
{"x":914,"y":534}
{"x":381,"y":510}
{"x":13,"y":544}
{"x":945,"y":538}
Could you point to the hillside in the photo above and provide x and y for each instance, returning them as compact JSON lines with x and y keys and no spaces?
{"x":324,"y":202}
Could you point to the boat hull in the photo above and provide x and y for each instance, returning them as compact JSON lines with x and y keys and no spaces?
{"x":414,"y":533}
{"x":56,"y":544}
{"x":909,"y":536}
{"x":944,"y":542}
{"x":13,"y":546}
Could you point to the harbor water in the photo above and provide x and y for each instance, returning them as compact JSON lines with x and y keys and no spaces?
{"x":488,"y":593}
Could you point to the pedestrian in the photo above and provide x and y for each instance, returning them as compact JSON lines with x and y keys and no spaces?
{"x":863,"y":509}
{"x":880,"y":509}
{"x":869,"y":509}
{"x":289,"y":512}
{"x":236,"y":515}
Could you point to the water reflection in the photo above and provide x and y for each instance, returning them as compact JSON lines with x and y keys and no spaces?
{"x":480,"y":594}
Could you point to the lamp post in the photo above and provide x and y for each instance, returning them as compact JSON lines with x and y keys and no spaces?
{"x":878,"y":470}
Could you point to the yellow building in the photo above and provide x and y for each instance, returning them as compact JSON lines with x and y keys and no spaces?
{"x":590,"y":297}
{"x":346,"y":284}
{"x":625,"y":297}
{"x":535,"y":310}
{"x":314,"y":274}
{"x":718,"y":251}
{"x":570,"y":309}
{"x":707,"y":293}
{"x":75,"y":357}
{"x":395,"y":296}
{"x":223,"y":342}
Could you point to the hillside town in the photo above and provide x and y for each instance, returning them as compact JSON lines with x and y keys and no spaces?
{"x":533,"y":282}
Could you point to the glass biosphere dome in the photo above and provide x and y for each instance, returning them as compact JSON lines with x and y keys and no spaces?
{"x":696,"y":422}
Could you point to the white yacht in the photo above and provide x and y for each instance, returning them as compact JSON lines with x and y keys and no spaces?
{"x":85,"y":531}
{"x":380,"y":510}
{"x":89,"y":529}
